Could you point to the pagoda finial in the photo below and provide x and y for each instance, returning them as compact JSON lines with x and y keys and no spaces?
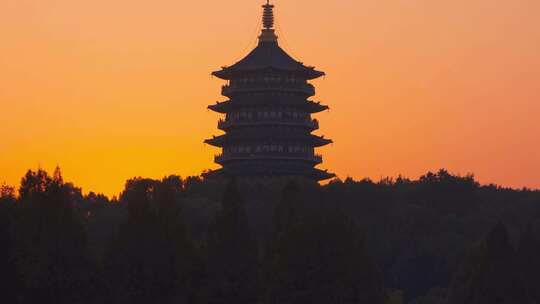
{"x":268,"y":33}
{"x":268,"y":15}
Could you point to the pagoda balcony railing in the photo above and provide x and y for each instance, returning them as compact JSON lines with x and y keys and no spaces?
{"x":312,"y":124}
{"x":306,"y":88}
{"x":221,"y":158}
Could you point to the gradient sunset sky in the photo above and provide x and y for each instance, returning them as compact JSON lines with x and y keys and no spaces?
{"x":112,"y":89}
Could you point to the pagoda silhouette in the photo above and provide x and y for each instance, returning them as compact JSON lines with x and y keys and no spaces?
{"x":268,"y":121}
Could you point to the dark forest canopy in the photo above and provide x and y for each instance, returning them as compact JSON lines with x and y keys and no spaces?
{"x":441,"y":238}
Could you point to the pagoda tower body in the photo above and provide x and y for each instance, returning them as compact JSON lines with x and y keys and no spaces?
{"x":268,"y":120}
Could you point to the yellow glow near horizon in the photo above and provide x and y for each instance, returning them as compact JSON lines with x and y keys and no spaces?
{"x":109,"y":90}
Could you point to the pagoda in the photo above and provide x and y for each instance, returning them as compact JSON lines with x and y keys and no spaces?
{"x":268,"y":120}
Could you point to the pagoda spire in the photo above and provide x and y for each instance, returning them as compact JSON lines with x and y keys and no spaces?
{"x":268,"y":15}
{"x":268,"y":33}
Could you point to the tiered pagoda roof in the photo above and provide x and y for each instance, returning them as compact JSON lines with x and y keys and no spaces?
{"x":227,"y":106}
{"x":268,"y":56}
{"x":221,"y":140}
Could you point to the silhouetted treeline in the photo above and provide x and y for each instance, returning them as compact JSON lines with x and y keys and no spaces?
{"x":439,"y":239}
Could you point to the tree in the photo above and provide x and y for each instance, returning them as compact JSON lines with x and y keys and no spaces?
{"x":528,"y":263}
{"x":152,"y":259}
{"x":494,"y":278}
{"x":9,"y":279}
{"x":232,"y":253}
{"x":50,"y":242}
{"x":187,"y":262}
{"x":319,"y":255}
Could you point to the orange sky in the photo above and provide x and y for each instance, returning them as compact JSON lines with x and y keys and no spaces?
{"x":114,"y":89}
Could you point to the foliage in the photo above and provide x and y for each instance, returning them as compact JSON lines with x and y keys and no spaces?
{"x":318,"y":256}
{"x":50,"y":242}
{"x":498,"y":273}
{"x":232,"y":253}
{"x":440,"y":239}
{"x":152,"y":258}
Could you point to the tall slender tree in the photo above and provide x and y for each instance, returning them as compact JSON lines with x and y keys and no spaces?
{"x":318,"y":255}
{"x":494,"y":277}
{"x":9,"y":279}
{"x":528,"y":263}
{"x":51,"y":242}
{"x":152,"y":259}
{"x":232,"y":253}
